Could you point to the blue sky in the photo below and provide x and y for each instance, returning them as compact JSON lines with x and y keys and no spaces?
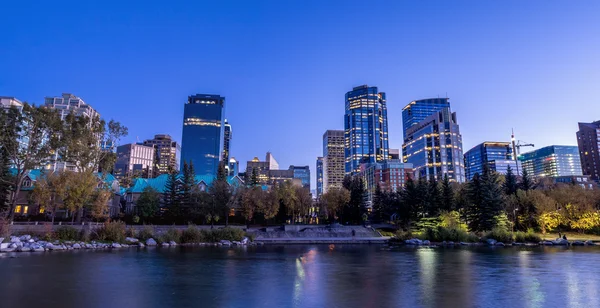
{"x":284,"y":66}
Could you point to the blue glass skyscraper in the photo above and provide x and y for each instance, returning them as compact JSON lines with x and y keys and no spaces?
{"x":553,"y":160}
{"x":419,"y":110}
{"x":202,"y":140}
{"x":365,"y":128}
{"x":497,"y":156}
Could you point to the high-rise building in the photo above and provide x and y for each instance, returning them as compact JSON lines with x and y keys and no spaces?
{"x":497,"y":156}
{"x":588,"y":141}
{"x":434,"y":147}
{"x":417,"y":111}
{"x":333,"y":159}
{"x":395,"y":154}
{"x":134,"y":159}
{"x":268,"y":172}
{"x":552,"y":161}
{"x":226,"y":142}
{"x":319,"y":176}
{"x":390,"y":175}
{"x":66,"y":104}
{"x":302,"y":173}
{"x":166,"y":153}
{"x":366,"y":128}
{"x":7,"y":102}
{"x":202,"y":139}
{"x":234,"y":167}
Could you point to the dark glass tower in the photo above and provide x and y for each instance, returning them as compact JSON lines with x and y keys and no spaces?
{"x":226,"y":143}
{"x":202,"y":140}
{"x":366,"y":129}
{"x":588,"y":141}
{"x":497,"y":156}
{"x":419,"y":110}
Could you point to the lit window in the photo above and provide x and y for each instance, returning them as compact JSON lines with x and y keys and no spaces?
{"x":42,"y":210}
{"x":18,"y":209}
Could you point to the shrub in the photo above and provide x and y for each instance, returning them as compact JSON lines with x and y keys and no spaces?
{"x":252,"y":236}
{"x":130,"y":232}
{"x":403,"y":235}
{"x":527,"y":237}
{"x":66,"y":234}
{"x":192,"y":235}
{"x":230,"y":234}
{"x":111,"y":232}
{"x":146,"y":233}
{"x":454,"y":234}
{"x":171,"y":235}
{"x":500,"y":235}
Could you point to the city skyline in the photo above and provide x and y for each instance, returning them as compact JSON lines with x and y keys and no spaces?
{"x":504,"y":61}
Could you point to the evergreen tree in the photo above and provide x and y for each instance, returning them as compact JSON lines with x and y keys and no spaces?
{"x":408,"y":203}
{"x":526,"y":181}
{"x":222,"y":193}
{"x":434,"y":196}
{"x":172,"y":195}
{"x":510,"y":183}
{"x":422,"y":197}
{"x":5,"y":182}
{"x":355,"y":208}
{"x":473,"y":206}
{"x":189,"y":190}
{"x":254,"y":178}
{"x":148,"y":204}
{"x":378,"y":204}
{"x":492,"y":200}
{"x":447,"y":195}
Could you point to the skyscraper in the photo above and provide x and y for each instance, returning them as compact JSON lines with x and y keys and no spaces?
{"x":497,"y":156}
{"x":319,"y":176}
{"x":66,"y":104}
{"x":202,"y":140}
{"x":552,"y":161}
{"x":366,"y":129}
{"x":333,"y":159}
{"x":434,"y":147}
{"x":588,"y":141}
{"x":134,"y":159}
{"x":419,"y":110}
{"x":226,"y":142}
{"x":166,"y":153}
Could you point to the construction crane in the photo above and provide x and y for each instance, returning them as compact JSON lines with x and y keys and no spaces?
{"x":516,"y":145}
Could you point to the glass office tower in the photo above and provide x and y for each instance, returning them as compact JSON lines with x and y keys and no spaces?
{"x":588,"y":141}
{"x":319,"y":176}
{"x":334,"y":168}
{"x":419,"y":110}
{"x":434,"y":147}
{"x":366,"y":128}
{"x":553,"y":160}
{"x":497,"y":156}
{"x":202,"y":140}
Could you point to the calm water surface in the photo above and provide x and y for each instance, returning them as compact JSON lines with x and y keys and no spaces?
{"x":304,"y":276}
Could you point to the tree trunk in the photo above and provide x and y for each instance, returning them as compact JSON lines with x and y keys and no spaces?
{"x":13,"y":203}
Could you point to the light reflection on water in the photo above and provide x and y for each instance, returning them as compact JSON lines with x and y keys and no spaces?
{"x":305,"y":276}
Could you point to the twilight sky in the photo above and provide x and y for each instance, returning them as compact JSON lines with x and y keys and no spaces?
{"x":284,"y":66}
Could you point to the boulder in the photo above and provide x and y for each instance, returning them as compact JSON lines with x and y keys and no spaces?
{"x":131,"y":240}
{"x":9,"y":249}
{"x":560,"y":242}
{"x":150,"y":242}
{"x":491,"y":241}
{"x":14,"y":239}
{"x":578,"y":243}
{"x":37,"y":248}
{"x":499,"y":244}
{"x":451,"y":243}
{"x":172,"y":243}
{"x":13,"y":245}
{"x":547,"y":243}
{"x":141,"y":245}
{"x":165,"y":244}
{"x":89,"y":246}
{"x":116,"y":245}
{"x":49,"y":246}
{"x":31,"y":240}
{"x":76,"y":246}
{"x":25,"y":238}
{"x":589,"y":243}
{"x":426,"y":242}
{"x":4,"y":245}
{"x":225,"y":242}
{"x":244,"y":241}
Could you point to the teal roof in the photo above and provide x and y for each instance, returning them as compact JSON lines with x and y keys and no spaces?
{"x":160,"y":182}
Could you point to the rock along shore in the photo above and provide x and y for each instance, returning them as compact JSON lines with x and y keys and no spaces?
{"x":27,"y":243}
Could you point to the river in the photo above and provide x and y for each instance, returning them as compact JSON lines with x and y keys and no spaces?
{"x":304,"y":276}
